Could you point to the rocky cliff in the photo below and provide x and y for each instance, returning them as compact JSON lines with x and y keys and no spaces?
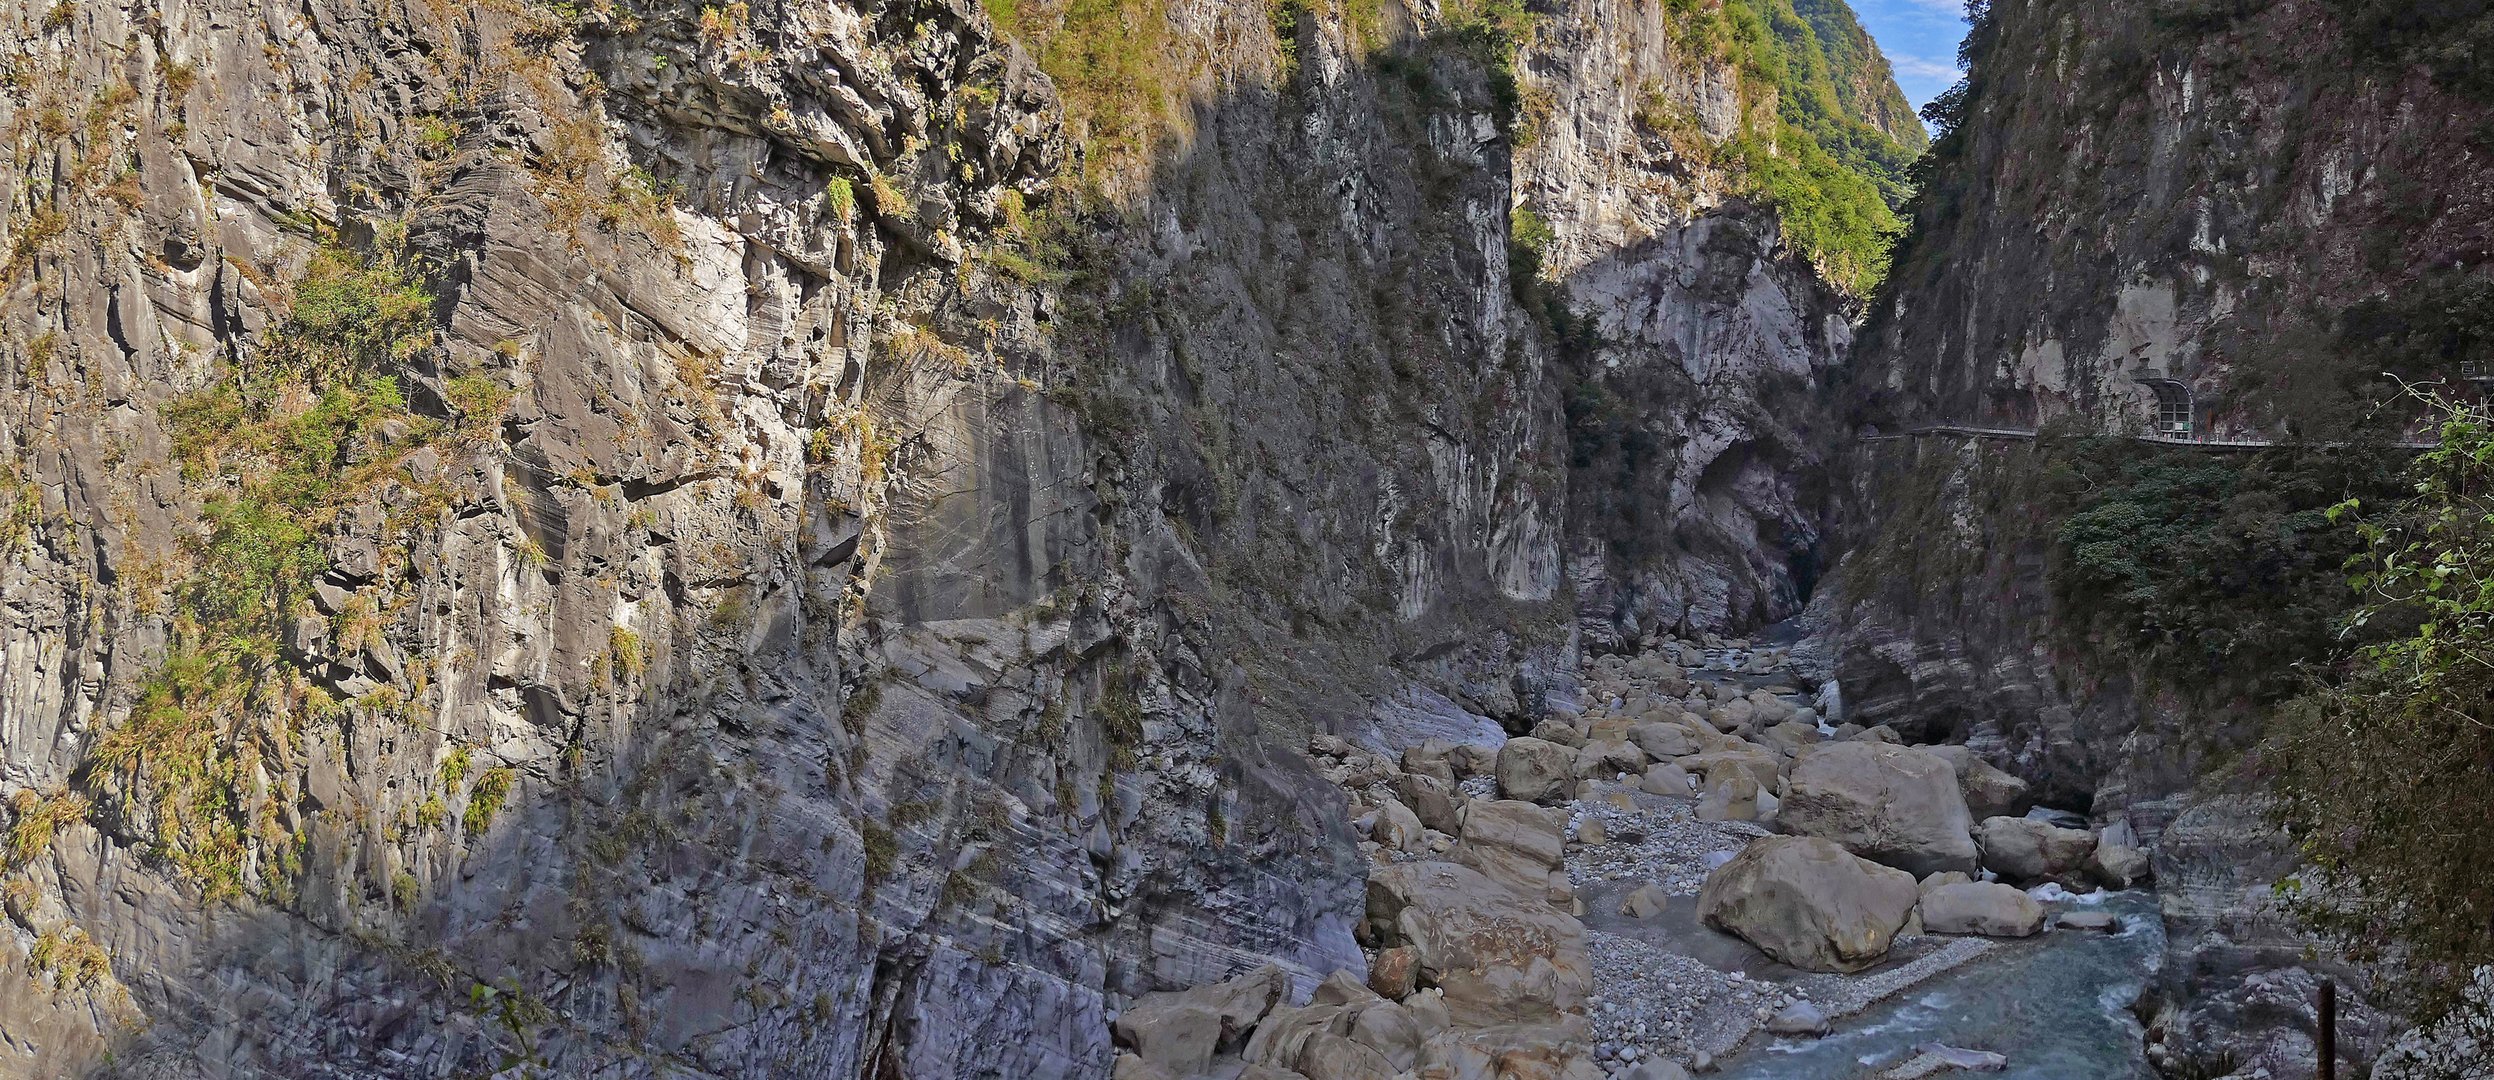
{"x":777,"y":539}
{"x":2260,"y":216}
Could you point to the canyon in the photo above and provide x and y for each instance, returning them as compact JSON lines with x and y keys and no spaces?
{"x":1100,"y":538}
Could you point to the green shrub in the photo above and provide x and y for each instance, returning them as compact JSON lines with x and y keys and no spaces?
{"x":2381,"y":777}
{"x":485,"y":800}
{"x":302,"y":425}
{"x":2222,"y":570}
{"x":882,"y":851}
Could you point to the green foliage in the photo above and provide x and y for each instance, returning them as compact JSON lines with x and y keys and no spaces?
{"x":432,"y":812}
{"x":2222,"y":570}
{"x":1114,"y":63}
{"x":33,"y":821}
{"x":1495,"y":33}
{"x":479,"y":402}
{"x":300,"y":428}
{"x":75,"y":960}
{"x":1834,"y":214}
{"x":2449,"y":39}
{"x":1834,"y":177}
{"x":2382,"y":778}
{"x":1121,"y":726}
{"x":485,"y":800}
{"x":455,"y":767}
{"x":2327,"y":381}
{"x":840,"y":197}
{"x":1528,"y":242}
{"x":883,"y":853}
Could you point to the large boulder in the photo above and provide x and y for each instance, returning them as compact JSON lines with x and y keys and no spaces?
{"x":1731,"y":795}
{"x":1791,"y":737}
{"x":1605,"y":759}
{"x":1993,"y":793}
{"x":1472,"y":759}
{"x":1768,"y":710}
{"x":1560,"y":732}
{"x":1665,"y":740}
{"x":1510,"y":1052}
{"x":1179,"y":1031}
{"x":1989,"y":792}
{"x":1429,"y":759}
{"x":1981,"y":907}
{"x":1515,"y":843}
{"x":1397,"y":828}
{"x":2117,"y":866}
{"x":1665,"y":778}
{"x":1808,"y":902}
{"x":1498,"y":957}
{"x":1732,"y":716}
{"x":1535,"y":770}
{"x":1436,"y":802}
{"x":1887,"y":803}
{"x":2025,"y":850}
{"x":1761,"y":764}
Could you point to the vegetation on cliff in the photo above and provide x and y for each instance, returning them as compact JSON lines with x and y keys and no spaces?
{"x":2381,"y":778}
{"x":297,"y":432}
{"x":1826,"y":137}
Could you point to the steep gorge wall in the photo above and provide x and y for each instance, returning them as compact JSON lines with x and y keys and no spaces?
{"x":2267,"y":204}
{"x":1701,"y":340}
{"x":825,"y":593}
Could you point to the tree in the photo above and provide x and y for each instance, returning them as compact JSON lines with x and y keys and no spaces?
{"x":2386,"y":778}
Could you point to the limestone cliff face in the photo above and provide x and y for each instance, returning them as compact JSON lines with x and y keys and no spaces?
{"x":1696,"y":405}
{"x":2258,"y":206}
{"x":812,"y":596}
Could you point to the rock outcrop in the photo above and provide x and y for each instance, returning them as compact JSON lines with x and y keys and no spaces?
{"x":1890,"y":804}
{"x":2219,"y":211}
{"x":1979,"y":907}
{"x":1809,"y":903}
{"x":806,"y":539}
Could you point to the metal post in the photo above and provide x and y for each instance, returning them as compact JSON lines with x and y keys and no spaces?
{"x":2329,"y":1030}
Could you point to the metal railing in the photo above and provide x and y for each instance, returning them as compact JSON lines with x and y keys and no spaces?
{"x":2194,"y":442}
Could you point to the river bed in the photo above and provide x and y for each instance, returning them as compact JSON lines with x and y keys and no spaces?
{"x":2057,"y":1006}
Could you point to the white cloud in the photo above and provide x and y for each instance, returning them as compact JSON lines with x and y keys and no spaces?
{"x":1922,"y":68}
{"x":1954,"y":8}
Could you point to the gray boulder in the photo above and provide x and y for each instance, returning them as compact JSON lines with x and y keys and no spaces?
{"x":2116,"y":866}
{"x":1887,"y":803}
{"x":1645,"y":902}
{"x":1981,"y":907}
{"x":1609,"y":758}
{"x":1429,"y":759}
{"x":1515,"y":843}
{"x":1808,"y":902}
{"x":1665,"y":740}
{"x":1180,"y":1031}
{"x":1397,"y":828}
{"x":1472,"y":759}
{"x":1731,"y":795}
{"x":2024,"y":850}
{"x":1434,"y":801}
{"x":1800,"y":1018}
{"x":1535,"y":770}
{"x":1665,"y":778}
{"x":1498,"y":957}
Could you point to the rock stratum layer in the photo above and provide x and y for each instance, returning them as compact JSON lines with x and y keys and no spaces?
{"x":732,"y":540}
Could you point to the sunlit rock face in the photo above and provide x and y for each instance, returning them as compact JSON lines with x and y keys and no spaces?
{"x":2228,"y":205}
{"x":820,"y":593}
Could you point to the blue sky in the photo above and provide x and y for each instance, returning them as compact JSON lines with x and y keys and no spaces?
{"x":1920,"y":38}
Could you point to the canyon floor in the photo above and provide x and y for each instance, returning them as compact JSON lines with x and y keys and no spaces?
{"x":1696,"y":866}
